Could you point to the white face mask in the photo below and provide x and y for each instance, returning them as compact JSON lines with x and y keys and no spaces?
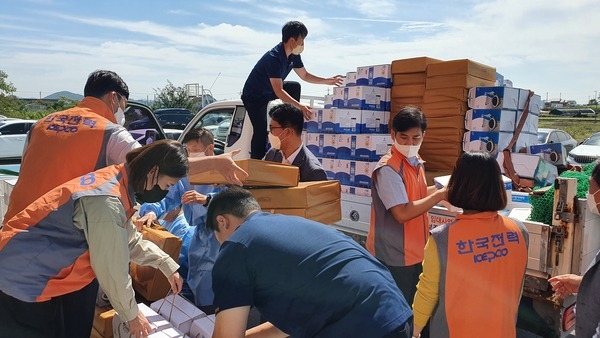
{"x":275,"y":141}
{"x":298,"y":50}
{"x":591,"y":202}
{"x":407,"y":150}
{"x":120,"y":116}
{"x":200,"y":154}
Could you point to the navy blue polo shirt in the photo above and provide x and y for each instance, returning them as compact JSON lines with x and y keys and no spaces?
{"x":307,"y":279}
{"x":273,"y":64}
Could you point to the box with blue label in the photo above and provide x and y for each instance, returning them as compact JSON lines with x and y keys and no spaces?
{"x":377,"y":75}
{"x":312,"y":143}
{"x":346,"y":146}
{"x":328,"y":143}
{"x":313,"y":125}
{"x":490,"y":120}
{"x":442,"y":181}
{"x":374,"y":121}
{"x":531,"y":122}
{"x":367,"y":98}
{"x":345,"y":121}
{"x":491,"y":142}
{"x":340,"y":97}
{"x":551,"y":152}
{"x":370,"y":147}
{"x":329,"y":164}
{"x":358,"y":191}
{"x":328,"y":101}
{"x":497,"y":98}
{"x":344,"y":171}
{"x":362,"y":174}
{"x":350,"y":79}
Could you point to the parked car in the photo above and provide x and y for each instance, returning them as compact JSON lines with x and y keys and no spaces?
{"x":587,"y":152}
{"x":13,"y":133}
{"x":147,"y":136}
{"x":172,"y":118}
{"x":546,"y":135}
{"x":170,"y":111}
{"x":174,"y":121}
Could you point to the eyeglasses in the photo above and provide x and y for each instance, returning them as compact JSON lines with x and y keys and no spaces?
{"x":271,"y":129}
{"x":121,"y":98}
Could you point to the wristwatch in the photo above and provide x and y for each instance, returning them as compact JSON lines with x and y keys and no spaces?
{"x":208,"y":197}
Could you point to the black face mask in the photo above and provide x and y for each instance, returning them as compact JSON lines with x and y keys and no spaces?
{"x":151,"y":196}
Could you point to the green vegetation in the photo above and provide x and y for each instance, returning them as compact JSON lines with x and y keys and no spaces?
{"x":578,"y":127}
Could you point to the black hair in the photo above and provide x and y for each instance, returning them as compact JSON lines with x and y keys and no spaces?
{"x":293,"y":29}
{"x":409,"y":117}
{"x":288,"y":116}
{"x":169,"y":155}
{"x":201,"y":135}
{"x":235,"y":201}
{"x":476,"y":183}
{"x":101,"y":82}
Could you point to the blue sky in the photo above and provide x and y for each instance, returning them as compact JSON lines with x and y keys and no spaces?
{"x":549,"y":46}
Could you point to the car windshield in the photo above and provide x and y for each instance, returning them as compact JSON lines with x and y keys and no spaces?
{"x":542,"y":137}
{"x":594,"y":140}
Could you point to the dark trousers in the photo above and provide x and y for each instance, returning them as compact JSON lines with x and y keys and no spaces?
{"x":407,"y":277}
{"x":257,"y":112}
{"x":70,"y":315}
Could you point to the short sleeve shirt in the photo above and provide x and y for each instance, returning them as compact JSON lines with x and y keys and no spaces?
{"x":307,"y":279}
{"x":273,"y":64}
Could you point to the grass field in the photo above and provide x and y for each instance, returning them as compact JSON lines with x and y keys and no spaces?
{"x":578,"y":127}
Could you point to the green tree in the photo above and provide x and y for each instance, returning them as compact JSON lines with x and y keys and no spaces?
{"x":9,"y":104}
{"x":172,"y":97}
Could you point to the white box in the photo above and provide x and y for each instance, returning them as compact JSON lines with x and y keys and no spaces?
{"x":524,"y":141}
{"x":178,"y":318}
{"x":202,"y":328}
{"x":358,"y":191}
{"x":157,"y":322}
{"x":490,"y":120}
{"x":345,"y":146}
{"x":350,"y":79}
{"x":340,"y":97}
{"x":345,"y":121}
{"x":362,"y":174}
{"x":330,"y":167}
{"x":327,"y":142}
{"x":491,"y":142}
{"x":531,"y":166}
{"x":531,"y":122}
{"x":168,"y":333}
{"x":328,"y":101}
{"x":368,"y":98}
{"x":370,"y":147}
{"x":536,"y":105}
{"x":442,"y":181}
{"x":497,"y":98}
{"x":376,"y":75}
{"x":312,"y":143}
{"x":344,"y":171}
{"x":313,"y":125}
{"x":551,"y":152}
{"x":374,"y":122}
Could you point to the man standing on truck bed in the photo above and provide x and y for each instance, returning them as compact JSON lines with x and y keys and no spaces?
{"x":265,"y":82}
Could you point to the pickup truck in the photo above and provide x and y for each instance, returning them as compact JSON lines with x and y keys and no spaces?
{"x":566,"y":246}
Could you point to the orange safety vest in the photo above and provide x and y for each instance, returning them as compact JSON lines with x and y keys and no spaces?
{"x":394,"y":243}
{"x":483,"y":258}
{"x":62,"y":145}
{"x":42,"y":253}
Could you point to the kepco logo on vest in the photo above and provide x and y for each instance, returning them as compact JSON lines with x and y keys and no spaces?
{"x":490,"y":255}
{"x":67,"y":123}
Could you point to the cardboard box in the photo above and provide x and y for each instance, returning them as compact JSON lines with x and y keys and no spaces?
{"x":358,"y":191}
{"x":531,"y":167}
{"x":456,"y":105}
{"x":346,"y":146}
{"x":374,"y":122}
{"x":445,"y":94}
{"x":412,"y":65}
{"x":408,"y":90}
{"x":350,"y":79}
{"x":313,"y":144}
{"x":344,"y":171}
{"x":345,"y":121}
{"x":314,"y":125}
{"x":157,"y":322}
{"x":328,"y":101}
{"x":202,"y":328}
{"x":329,"y":166}
{"x":327,"y":145}
{"x":463,"y":66}
{"x":497,"y":98}
{"x":442,"y":181}
{"x":103,"y":319}
{"x":536,"y":104}
{"x":456,"y":80}
{"x":362,"y":97}
{"x":525,"y":140}
{"x":409,"y":78}
{"x":490,"y":120}
{"x":370,"y":147}
{"x":531,"y":122}
{"x":304,"y":196}
{"x":147,"y":281}
{"x":552,"y":152}
{"x":447,"y":122}
{"x":163,"y":307}
{"x":326,"y":213}
{"x":362,"y":173}
{"x":261,"y":173}
{"x":491,"y":142}
{"x":377,"y":75}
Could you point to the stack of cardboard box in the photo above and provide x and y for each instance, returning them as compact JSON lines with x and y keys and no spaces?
{"x":445,"y":105}
{"x":277,"y":189}
{"x":408,"y":82}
